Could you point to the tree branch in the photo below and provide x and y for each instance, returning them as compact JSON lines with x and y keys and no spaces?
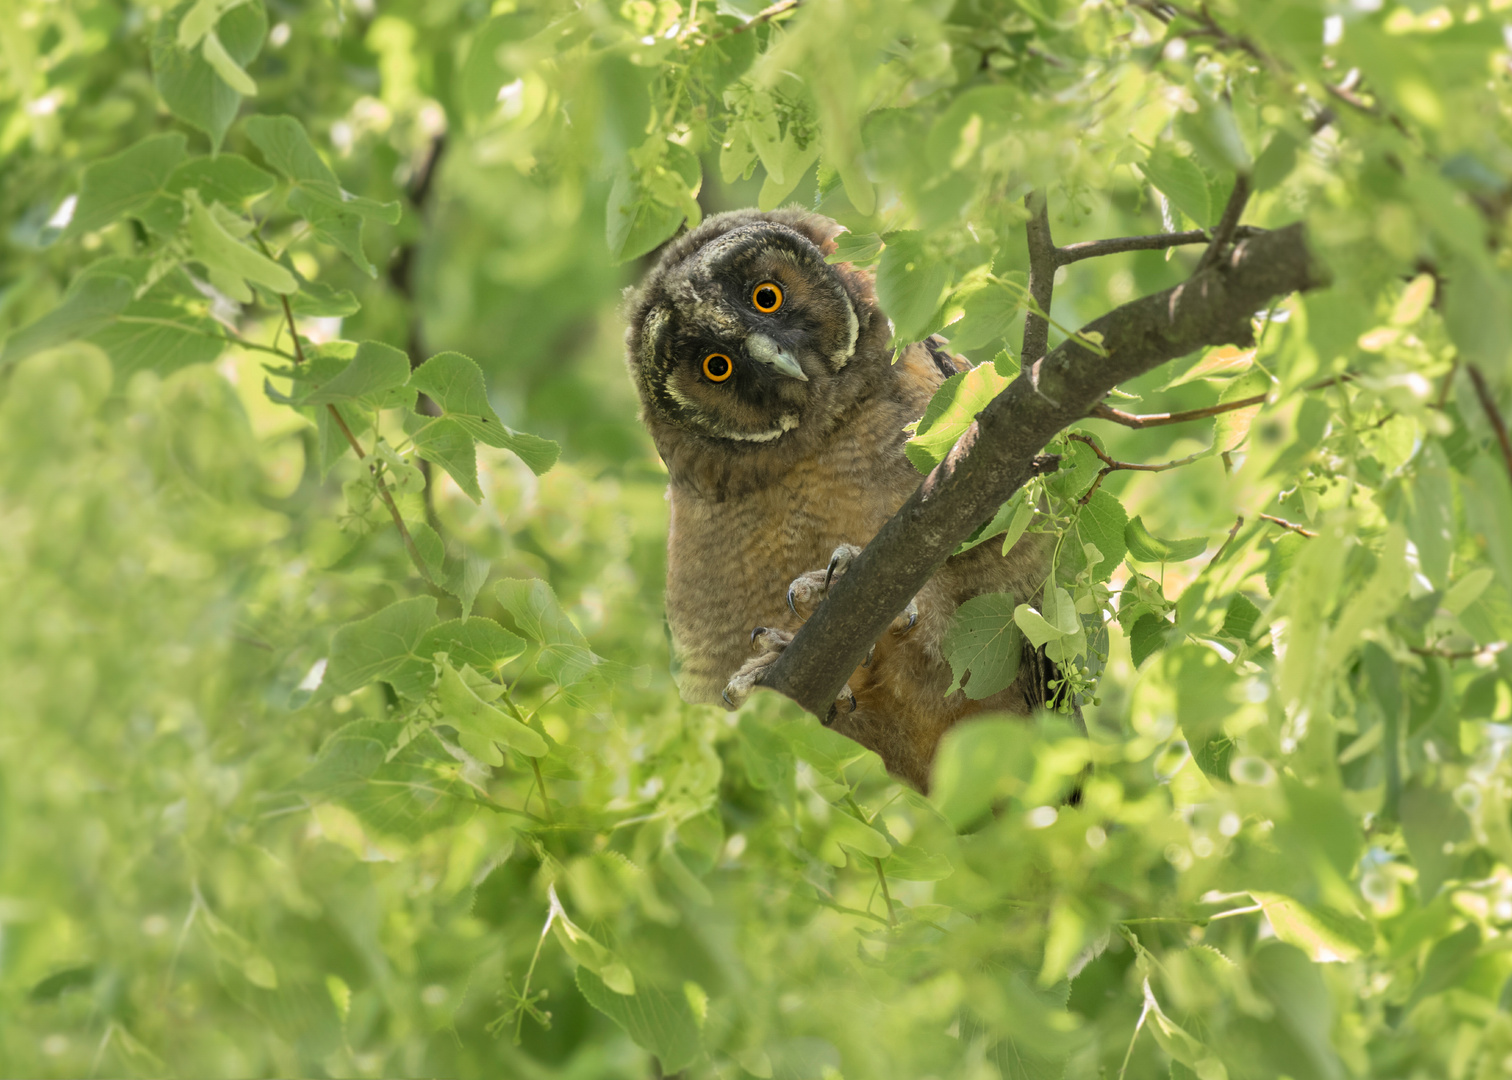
{"x":1493,"y":414}
{"x":1292,"y":525}
{"x":1223,"y":232}
{"x":1042,"y":264}
{"x":1103,"y":411}
{"x":1091,"y":249}
{"x":378,"y":481}
{"x":1111,"y":466}
{"x":996,"y":455}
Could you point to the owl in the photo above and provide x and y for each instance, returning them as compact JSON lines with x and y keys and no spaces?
{"x":768,"y":385}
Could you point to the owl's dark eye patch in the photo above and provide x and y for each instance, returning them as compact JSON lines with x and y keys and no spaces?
{"x":767,"y":297}
{"x":717,"y":367}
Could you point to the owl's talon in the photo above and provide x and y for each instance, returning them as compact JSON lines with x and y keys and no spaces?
{"x":839,"y":562}
{"x":755,"y":633}
{"x":871,"y":652}
{"x":725,"y":695}
{"x":793,"y":607}
{"x":849,"y":698}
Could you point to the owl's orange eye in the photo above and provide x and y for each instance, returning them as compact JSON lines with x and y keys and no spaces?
{"x":717,"y":367}
{"x":767,"y":297}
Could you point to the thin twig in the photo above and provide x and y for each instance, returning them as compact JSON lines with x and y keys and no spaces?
{"x":1461,"y":654}
{"x":1091,"y":249}
{"x":535,"y":764}
{"x":1144,"y":420}
{"x":1238,"y":523}
{"x":1111,"y":466}
{"x":378,"y":481}
{"x":1292,"y":525}
{"x":1042,"y":264}
{"x":1493,"y":414}
{"x":763,"y":16}
{"x":892,"y":918}
{"x":1223,"y":232}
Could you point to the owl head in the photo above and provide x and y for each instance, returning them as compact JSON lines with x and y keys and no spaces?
{"x":743,"y":341}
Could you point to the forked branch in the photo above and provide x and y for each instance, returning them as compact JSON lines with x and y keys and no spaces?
{"x":996,"y":455}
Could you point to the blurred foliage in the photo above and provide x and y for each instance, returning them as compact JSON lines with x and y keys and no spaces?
{"x":287,"y":790}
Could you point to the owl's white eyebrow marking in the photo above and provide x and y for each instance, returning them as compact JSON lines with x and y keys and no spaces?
{"x":785,"y":424}
{"x":654,"y":324}
{"x":841,"y":357}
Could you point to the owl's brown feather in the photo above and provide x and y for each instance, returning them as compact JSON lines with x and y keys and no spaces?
{"x":747,"y":518}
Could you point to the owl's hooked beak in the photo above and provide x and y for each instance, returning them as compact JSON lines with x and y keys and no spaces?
{"x":765,"y":349}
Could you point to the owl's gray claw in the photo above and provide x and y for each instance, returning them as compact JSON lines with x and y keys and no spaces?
{"x":839,"y":561}
{"x":912,"y":612}
{"x":791,"y":605}
{"x":725,"y":694}
{"x":755,"y":632}
{"x":846,"y":698}
{"x":871,"y":652}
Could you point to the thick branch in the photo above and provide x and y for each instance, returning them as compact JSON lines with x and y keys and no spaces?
{"x":996,"y":455}
{"x":1042,"y":264}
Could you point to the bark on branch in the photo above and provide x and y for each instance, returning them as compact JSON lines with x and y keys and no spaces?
{"x":997,"y":454}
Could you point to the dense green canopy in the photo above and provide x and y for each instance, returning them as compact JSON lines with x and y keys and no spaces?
{"x":337,"y":731}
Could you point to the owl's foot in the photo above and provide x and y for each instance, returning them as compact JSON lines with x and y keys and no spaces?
{"x":768,"y":644}
{"x":808,"y":590}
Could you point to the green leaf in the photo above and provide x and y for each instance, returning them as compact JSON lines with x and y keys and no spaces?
{"x":455,"y":383}
{"x":229,"y":260}
{"x":1325,"y":935}
{"x":1231,"y":429}
{"x":1448,"y":963}
{"x":472,"y":716}
{"x":1180,"y":180}
{"x":984,"y":643}
{"x":228,"y":179}
{"x":857,"y":249}
{"x":409,"y":791}
{"x":446,"y":443}
{"x":229,"y":70}
{"x":154,"y":336}
{"x":565,"y":657}
{"x":1240,"y":618}
{"x":1143,"y":547}
{"x":858,"y":836}
{"x":979,"y":761}
{"x":910,"y":286}
{"x":335,"y":215}
{"x":1430,"y":511}
{"x":384,"y":646}
{"x":950,"y":412}
{"x":1275,"y":162}
{"x":124,"y":183}
{"x":368,"y":380}
{"x":658,"y":1021}
{"x":1223,"y":362}
{"x":1149,"y":634}
{"x":1215,"y":137}
{"x":636,"y":220}
{"x":90,"y":305}
{"x":1432,"y":824}
{"x":912,"y":863}
{"x":316,"y":298}
{"x":480,"y":643}
{"x":1101,"y":522}
{"x":191,"y":87}
{"x":987,"y":314}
